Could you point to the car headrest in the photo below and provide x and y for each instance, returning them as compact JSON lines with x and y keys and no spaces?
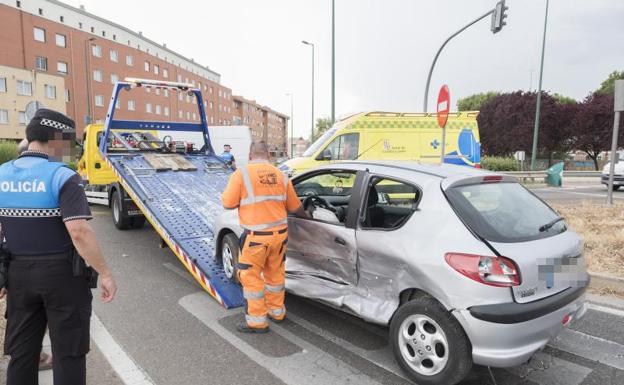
{"x":373,"y":197}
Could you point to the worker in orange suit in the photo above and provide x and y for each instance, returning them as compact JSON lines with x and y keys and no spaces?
{"x":263,"y":196}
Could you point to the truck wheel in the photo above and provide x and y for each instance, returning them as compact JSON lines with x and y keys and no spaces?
{"x":121,"y":221}
{"x":138,"y":222}
{"x":429,"y":344}
{"x":229,"y":256}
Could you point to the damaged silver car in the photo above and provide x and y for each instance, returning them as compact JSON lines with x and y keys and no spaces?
{"x":464,"y":266}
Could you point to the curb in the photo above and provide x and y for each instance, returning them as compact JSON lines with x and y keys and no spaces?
{"x":607,"y":277}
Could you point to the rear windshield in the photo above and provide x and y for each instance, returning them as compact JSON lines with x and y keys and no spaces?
{"x":504,"y":212}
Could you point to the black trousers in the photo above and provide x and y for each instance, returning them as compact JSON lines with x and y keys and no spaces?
{"x":45,"y":293}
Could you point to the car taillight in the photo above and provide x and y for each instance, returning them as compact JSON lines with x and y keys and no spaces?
{"x":493,"y":271}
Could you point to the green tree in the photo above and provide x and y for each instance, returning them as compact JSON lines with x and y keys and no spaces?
{"x":474,"y":102}
{"x":607,"y":86}
{"x":322,"y":125}
{"x":561,"y":99}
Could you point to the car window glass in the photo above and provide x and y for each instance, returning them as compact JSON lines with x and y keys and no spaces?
{"x":389,"y":203}
{"x":344,"y":147}
{"x":320,"y":141}
{"x":335,"y":183}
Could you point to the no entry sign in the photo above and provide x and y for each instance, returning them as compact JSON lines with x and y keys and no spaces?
{"x":444,"y":105}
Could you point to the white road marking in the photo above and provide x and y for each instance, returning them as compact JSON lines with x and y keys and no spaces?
{"x":590,"y":347}
{"x":310,"y":366}
{"x":127,"y":370}
{"x":605,"y":309}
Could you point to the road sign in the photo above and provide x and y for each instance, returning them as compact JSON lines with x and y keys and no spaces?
{"x":444,"y":105}
{"x":442,"y":109}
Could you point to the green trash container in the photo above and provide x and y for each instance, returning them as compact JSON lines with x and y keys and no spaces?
{"x":554,"y":175}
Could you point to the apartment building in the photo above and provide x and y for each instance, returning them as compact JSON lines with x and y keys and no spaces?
{"x":90,"y":54}
{"x":265,"y":123}
{"x":18,"y":87}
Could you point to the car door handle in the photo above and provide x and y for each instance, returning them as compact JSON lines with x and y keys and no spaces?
{"x":340,"y":241}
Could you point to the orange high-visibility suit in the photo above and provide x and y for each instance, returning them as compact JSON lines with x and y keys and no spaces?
{"x":263,"y":196}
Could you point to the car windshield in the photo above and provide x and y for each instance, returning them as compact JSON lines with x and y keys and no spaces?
{"x":504,"y":212}
{"x":319,"y":142}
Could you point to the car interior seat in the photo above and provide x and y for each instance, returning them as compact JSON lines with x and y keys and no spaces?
{"x":374,"y":214}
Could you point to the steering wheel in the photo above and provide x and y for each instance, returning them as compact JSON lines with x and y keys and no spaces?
{"x":313,"y":201}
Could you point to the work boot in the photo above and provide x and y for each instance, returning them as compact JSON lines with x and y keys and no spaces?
{"x":244,"y":328}
{"x":277,"y":321}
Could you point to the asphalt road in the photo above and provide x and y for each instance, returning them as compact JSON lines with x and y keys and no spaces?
{"x":177,"y":334}
{"x":574,"y":194}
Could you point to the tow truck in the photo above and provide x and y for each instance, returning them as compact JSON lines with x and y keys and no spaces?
{"x":176,"y":187}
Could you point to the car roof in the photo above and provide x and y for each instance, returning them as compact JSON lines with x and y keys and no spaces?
{"x":433,"y":169}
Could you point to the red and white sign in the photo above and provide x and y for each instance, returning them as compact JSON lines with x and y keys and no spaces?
{"x":444,"y":105}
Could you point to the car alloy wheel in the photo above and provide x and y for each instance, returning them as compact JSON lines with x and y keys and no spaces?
{"x":228,"y":260}
{"x":423,"y":344}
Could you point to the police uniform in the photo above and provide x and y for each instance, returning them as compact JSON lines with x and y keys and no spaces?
{"x":37,"y":197}
{"x":263,"y":196}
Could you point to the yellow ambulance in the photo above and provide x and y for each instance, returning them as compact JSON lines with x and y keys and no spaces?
{"x":394,"y":136}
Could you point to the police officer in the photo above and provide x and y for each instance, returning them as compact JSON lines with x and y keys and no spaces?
{"x":263,"y":196}
{"x":44,"y":213}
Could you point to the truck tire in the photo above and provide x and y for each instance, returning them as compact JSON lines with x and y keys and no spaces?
{"x":138,"y":222}
{"x":229,"y":256}
{"x":429,"y":344}
{"x":121,"y":221}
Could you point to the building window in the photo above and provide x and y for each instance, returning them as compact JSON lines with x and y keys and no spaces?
{"x":117,"y":105}
{"x":148,"y":107}
{"x":92,"y":29}
{"x":166,"y":111}
{"x":18,"y":4}
{"x":4,"y":116}
{"x":180,"y":114}
{"x":39,"y":34}
{"x":157,"y":91}
{"x":211,"y":105}
{"x":61,"y":67}
{"x":146,"y":65}
{"x":3,"y":86}
{"x":158,"y":109}
{"x":115,"y":37}
{"x":165,"y":73}
{"x":188,"y":115}
{"x":180,"y":96}
{"x":211,"y":119}
{"x":130,"y":60}
{"x":99,"y":100}
{"x":80,"y":25}
{"x":194,"y":116}
{"x":62,"y":19}
{"x":114,"y":78}
{"x":188,"y":98}
{"x":114,"y":55}
{"x":24,"y":88}
{"x":97,"y":50}
{"x":60,"y":40}
{"x":220,"y":108}
{"x":131,"y":105}
{"x":41,"y":63}
{"x":179,"y":78}
{"x":103,"y":33}
{"x":67,"y":96}
{"x":50,"y":91}
{"x":156,"y":69}
{"x":97,"y":76}
{"x":148,"y":90}
{"x":23,"y":119}
{"x":166,"y":92}
{"x":40,"y":11}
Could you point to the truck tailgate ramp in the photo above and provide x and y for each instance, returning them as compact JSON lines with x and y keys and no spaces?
{"x":181,"y":203}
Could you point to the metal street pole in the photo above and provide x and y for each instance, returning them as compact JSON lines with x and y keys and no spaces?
{"x":89,"y":118}
{"x":292,"y":120}
{"x":312,"y":126}
{"x":618,"y":106}
{"x":440,"y":50}
{"x":539,"y":94}
{"x":333,"y":66}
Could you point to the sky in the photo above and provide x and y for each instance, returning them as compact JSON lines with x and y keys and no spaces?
{"x":384,"y":48}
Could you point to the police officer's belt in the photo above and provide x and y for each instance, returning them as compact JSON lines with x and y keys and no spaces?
{"x":41,"y":258}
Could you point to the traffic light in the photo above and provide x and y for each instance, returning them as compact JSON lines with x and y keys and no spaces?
{"x":498,"y":16}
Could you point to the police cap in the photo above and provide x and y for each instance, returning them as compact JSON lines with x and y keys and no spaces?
{"x":47,"y":124}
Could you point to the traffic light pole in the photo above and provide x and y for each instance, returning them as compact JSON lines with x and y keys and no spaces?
{"x":435,"y":59}
{"x":539,"y":96}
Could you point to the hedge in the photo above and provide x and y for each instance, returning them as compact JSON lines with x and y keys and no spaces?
{"x":499,"y":163}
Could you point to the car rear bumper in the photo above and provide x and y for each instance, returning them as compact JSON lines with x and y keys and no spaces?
{"x":510,"y":344}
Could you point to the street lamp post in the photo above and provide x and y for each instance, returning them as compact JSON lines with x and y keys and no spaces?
{"x":312,"y":126}
{"x":89,"y":118}
{"x":292,"y":120}
{"x":539,"y":95}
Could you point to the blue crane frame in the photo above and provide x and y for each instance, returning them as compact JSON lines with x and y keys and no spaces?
{"x":181,"y":205}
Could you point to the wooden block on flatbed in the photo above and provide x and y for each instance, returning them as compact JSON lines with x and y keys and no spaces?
{"x":175,"y":162}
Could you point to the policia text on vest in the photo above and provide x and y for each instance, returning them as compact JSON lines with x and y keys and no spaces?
{"x":43,"y":218}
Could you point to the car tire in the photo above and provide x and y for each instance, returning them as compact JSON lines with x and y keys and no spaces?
{"x":138,"y":222}
{"x":229,"y":256}
{"x":438,"y":349}
{"x":121,"y":221}
{"x":615,"y":188}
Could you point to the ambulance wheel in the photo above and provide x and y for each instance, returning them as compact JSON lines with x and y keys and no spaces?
{"x":138,"y":222}
{"x":429,"y":344}
{"x":121,"y":221}
{"x":229,"y":256}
